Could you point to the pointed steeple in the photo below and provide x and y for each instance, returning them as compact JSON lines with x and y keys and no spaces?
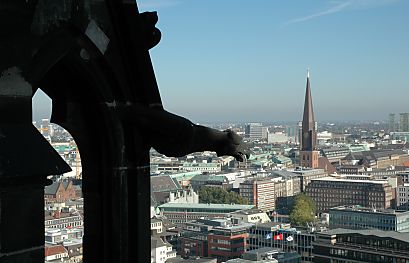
{"x":308,"y":122}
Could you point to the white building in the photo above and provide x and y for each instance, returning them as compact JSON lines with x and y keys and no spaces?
{"x":277,"y":137}
{"x":185,"y":197}
{"x":160,"y":250}
{"x":56,"y":236}
{"x":251,"y":216}
{"x":203,"y":167}
{"x":156,"y":226}
{"x":323,"y":137}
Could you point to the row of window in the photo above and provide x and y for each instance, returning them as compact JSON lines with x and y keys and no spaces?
{"x":62,"y":220}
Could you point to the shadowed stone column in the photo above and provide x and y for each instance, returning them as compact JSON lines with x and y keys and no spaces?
{"x":26,"y":158}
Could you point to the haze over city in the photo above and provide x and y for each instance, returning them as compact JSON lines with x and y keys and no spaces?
{"x":222,"y":61}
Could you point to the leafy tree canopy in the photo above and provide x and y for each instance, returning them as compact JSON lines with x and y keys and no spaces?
{"x":217,"y":195}
{"x":303,"y":211}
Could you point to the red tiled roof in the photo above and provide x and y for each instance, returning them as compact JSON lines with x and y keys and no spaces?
{"x":54,"y":250}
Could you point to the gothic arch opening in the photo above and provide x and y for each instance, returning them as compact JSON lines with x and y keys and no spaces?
{"x":84,"y":93}
{"x":63,"y":202}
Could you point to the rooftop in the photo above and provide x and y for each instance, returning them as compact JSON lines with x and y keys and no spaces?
{"x":335,"y":179}
{"x":248,"y":212}
{"x":362,"y":209}
{"x":207,"y":177}
{"x":54,"y":250}
{"x":208,"y":206}
{"x":164,"y":183}
{"x":307,"y":171}
{"x":370,"y":232}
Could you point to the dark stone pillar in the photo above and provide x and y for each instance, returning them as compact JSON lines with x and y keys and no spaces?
{"x":21,"y":220}
{"x":26,"y":158}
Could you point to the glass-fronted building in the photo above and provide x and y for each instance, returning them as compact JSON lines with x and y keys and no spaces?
{"x":357,"y":217}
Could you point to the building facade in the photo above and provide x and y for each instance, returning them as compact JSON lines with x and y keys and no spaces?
{"x":308,"y":174}
{"x":63,"y":220}
{"x":402,"y":197}
{"x":203,"y":167}
{"x":220,"y":238}
{"x":392,"y":123}
{"x":161,"y":250}
{"x":404,"y":122}
{"x":356,"y":217}
{"x":227,"y":242}
{"x":343,"y":245}
{"x":331,"y":192}
{"x":59,"y":192}
{"x":254,"y":131}
{"x":260,"y":192}
{"x":291,"y":239}
{"x":181,"y":213}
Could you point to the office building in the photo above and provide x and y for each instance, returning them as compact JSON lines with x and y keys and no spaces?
{"x":357,"y":217}
{"x":216,"y":238}
{"x":345,"y":245}
{"x":392,"y":123}
{"x":286,"y":188}
{"x":308,"y":174}
{"x":402,"y":196}
{"x":404,"y":122}
{"x":228,"y":241}
{"x":259,"y":192}
{"x":331,"y":192}
{"x":267,"y":255}
{"x":282,"y":236}
{"x":180,"y":213}
{"x":308,"y":141}
{"x":254,"y":131}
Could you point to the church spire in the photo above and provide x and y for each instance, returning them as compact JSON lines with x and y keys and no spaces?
{"x":308,"y":121}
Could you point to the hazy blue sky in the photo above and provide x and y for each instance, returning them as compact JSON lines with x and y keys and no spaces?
{"x":234,"y":60}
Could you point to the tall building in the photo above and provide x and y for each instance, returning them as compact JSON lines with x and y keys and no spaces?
{"x":308,"y":135}
{"x":392,"y":124}
{"x":404,"y":122}
{"x":259,"y":192}
{"x":254,"y":131}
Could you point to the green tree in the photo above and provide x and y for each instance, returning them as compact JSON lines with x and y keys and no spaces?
{"x":303,"y":210}
{"x":217,"y":195}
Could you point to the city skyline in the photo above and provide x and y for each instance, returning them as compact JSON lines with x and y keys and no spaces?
{"x":248,"y":62}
